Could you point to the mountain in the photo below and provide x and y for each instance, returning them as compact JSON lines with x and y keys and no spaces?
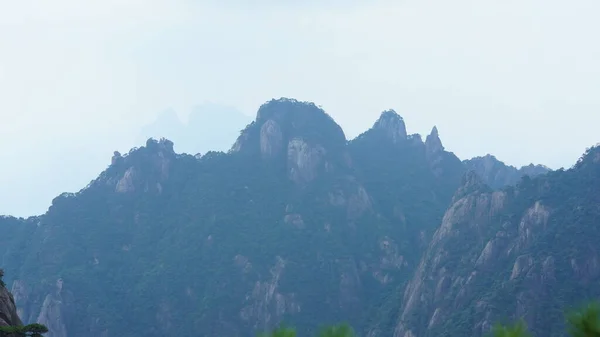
{"x":497,"y":175}
{"x":293,"y":224}
{"x":522,"y":252}
{"x":210,"y":127}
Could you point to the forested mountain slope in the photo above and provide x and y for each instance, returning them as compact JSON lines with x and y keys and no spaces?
{"x":294,"y":224}
{"x":524,"y":252}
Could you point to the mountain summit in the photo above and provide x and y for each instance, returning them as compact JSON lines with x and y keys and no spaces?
{"x":392,"y":125}
{"x":299,"y":135}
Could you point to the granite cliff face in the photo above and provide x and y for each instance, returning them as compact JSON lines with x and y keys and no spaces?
{"x":8,"y":309}
{"x":298,"y":136}
{"x":525,"y":252}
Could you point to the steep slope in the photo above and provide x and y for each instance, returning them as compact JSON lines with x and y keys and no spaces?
{"x":528,"y":252}
{"x":497,"y":175}
{"x":411,"y":183}
{"x":8,"y":310}
{"x":291,"y":225}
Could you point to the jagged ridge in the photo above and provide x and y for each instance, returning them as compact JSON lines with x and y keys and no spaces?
{"x":293,"y":221}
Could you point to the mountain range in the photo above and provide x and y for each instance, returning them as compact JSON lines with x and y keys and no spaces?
{"x":296,"y":224}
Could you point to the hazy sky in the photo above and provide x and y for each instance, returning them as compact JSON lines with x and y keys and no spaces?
{"x":78,"y":79}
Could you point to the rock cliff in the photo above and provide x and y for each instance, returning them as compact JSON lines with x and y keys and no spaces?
{"x":298,"y":136}
{"x":524,"y":252}
{"x":8,"y":309}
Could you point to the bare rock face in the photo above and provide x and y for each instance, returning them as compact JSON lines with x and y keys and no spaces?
{"x":21,"y":295}
{"x":126,"y":183}
{"x":52,"y":313}
{"x":8,"y":309}
{"x":265,"y":305}
{"x":271,"y":139}
{"x":304,"y":160}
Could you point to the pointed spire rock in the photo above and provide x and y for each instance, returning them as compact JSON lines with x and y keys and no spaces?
{"x":392,"y":125}
{"x":433,"y":143}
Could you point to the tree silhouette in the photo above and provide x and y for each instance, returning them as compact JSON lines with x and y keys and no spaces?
{"x":32,"y":330}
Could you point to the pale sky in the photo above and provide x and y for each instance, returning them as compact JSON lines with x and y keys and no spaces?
{"x":78,"y":79}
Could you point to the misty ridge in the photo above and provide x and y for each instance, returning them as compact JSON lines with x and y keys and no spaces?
{"x":415,"y":168}
{"x":209,"y":127}
{"x":295,"y":227}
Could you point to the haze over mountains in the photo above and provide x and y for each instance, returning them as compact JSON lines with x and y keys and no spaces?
{"x":28,"y":189}
{"x":389,"y":231}
{"x":209,"y":127}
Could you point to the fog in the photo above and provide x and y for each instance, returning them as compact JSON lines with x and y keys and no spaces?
{"x":78,"y":80}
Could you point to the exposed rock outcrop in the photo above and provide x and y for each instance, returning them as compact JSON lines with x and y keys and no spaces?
{"x":433,"y":143}
{"x":265,"y":305}
{"x":52,"y":313}
{"x":8,"y":309}
{"x":296,"y":134}
{"x":495,"y":256}
{"x":142,"y":170}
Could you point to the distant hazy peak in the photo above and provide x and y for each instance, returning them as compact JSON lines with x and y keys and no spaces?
{"x":497,"y":174}
{"x":209,"y":127}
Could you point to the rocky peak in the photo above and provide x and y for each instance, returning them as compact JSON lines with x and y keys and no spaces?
{"x":392,"y":125}
{"x":116,"y":158}
{"x":163,"y":145}
{"x":299,"y":134}
{"x":433,"y":143}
